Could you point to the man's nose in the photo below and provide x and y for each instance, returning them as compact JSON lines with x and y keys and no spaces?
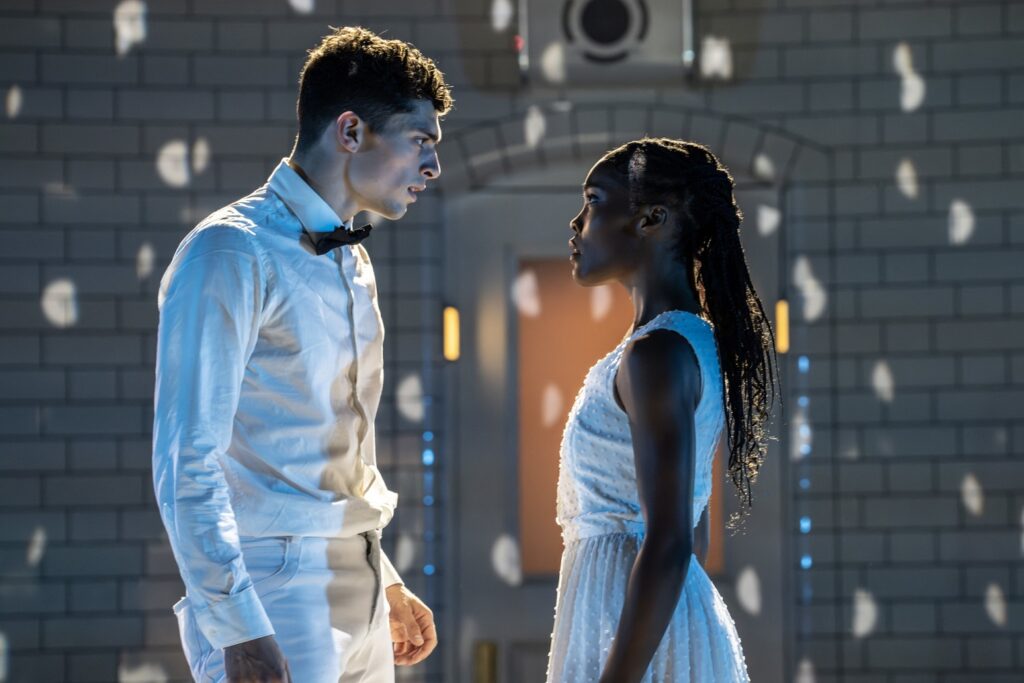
{"x":432,"y":169}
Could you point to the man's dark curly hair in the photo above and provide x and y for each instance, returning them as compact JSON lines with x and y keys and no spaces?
{"x":354,"y":69}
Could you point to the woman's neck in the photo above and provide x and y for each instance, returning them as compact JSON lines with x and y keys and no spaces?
{"x":654,"y":293}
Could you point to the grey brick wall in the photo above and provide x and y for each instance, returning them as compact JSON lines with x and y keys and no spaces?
{"x":80,"y":195}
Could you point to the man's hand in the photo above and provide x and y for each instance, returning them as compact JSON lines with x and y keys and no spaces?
{"x":412,"y":626}
{"x":256,"y":661}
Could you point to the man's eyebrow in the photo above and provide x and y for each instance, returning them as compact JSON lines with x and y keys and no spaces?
{"x":435,"y":137}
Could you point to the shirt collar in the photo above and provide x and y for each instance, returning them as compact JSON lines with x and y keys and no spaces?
{"x":313,"y":212}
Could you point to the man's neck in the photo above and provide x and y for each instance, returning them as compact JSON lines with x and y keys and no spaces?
{"x":311,"y":172}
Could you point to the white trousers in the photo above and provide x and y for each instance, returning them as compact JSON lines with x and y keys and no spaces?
{"x":325,"y":600}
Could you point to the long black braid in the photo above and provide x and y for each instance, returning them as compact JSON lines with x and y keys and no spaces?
{"x":689,"y":178}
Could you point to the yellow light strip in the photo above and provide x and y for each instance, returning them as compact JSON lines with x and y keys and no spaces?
{"x":451,"y":333}
{"x":782,"y":326}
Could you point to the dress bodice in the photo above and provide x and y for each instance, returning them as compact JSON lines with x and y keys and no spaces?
{"x":597,"y":489}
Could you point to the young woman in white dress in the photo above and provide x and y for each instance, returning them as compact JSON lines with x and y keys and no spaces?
{"x":634,"y":602}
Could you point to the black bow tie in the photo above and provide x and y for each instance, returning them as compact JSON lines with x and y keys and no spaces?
{"x":338,"y":238}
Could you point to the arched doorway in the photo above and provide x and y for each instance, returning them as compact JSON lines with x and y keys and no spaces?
{"x":509,"y":188}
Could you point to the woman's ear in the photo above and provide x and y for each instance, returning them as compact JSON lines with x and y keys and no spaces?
{"x":651,"y":219}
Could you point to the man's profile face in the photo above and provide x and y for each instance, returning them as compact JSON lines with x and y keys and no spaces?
{"x":396,"y":162}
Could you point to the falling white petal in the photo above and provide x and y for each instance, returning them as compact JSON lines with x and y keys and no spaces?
{"x":405,"y":553}
{"x":144,"y":261}
{"x":526,"y":294}
{"x":501,"y":14}
{"x":995,"y":604}
{"x":971,"y":494}
{"x":716,"y":58}
{"x":961,"y":221}
{"x":303,"y":6}
{"x":811,"y":290}
{"x":505,"y":560}
{"x":764,"y":167}
{"x":143,"y":673}
{"x":906,"y":179}
{"x":551,"y":404}
{"x":802,"y":435}
{"x":902,"y":59}
{"x":60,"y":303}
{"x":912,"y":87}
{"x":748,"y":590}
{"x":172,"y":163}
{"x":804,"y":672}
{"x":912,"y":90}
{"x":129,"y":25}
{"x":562,"y":106}
{"x":883,"y":382}
{"x":601,"y":300}
{"x":534,"y":126}
{"x":410,"y":398}
{"x":865,"y":613}
{"x":768,"y":219}
{"x":13,"y":101}
{"x":552,"y":63}
{"x":36,"y":547}
{"x":200,"y":155}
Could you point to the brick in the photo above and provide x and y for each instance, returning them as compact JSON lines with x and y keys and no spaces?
{"x":906,"y":302}
{"x":84,"y":349}
{"x":93,"y":490}
{"x":913,"y":547}
{"x":89,"y":525}
{"x":981,"y":300}
{"x":166,"y":70}
{"x":978,"y":19}
{"x":980,"y":335}
{"x":92,"y":104}
{"x":910,"y":441}
{"x":904,"y":24}
{"x":93,"y":632}
{"x":31,"y":456}
{"x":30,"y":598}
{"x":32,"y":32}
{"x":830,"y":61}
{"x":829,"y":26}
{"x":81,"y":69}
{"x":165,"y":105}
{"x":89,"y":420}
{"x":976,"y":545}
{"x":150,"y":595}
{"x":32,"y":385}
{"x":984,"y":125}
{"x":991,"y":404}
{"x":92,"y":560}
{"x":910,"y":512}
{"x":93,"y":667}
{"x":90,"y":138}
{"x":241,"y":71}
{"x":977,"y":55}
{"x":19,"y":420}
{"x":913,"y":618}
{"x":917,"y":653}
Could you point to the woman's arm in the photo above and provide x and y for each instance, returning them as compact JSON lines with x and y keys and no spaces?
{"x":659,"y":383}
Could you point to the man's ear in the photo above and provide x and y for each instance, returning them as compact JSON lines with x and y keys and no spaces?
{"x":349,"y":132}
{"x":651,"y":219}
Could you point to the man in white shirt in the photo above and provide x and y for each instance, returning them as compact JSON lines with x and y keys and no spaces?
{"x":269,"y":373}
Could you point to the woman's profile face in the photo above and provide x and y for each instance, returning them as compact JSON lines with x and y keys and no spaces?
{"x":604,"y":245}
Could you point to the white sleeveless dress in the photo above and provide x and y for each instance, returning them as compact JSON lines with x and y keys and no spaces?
{"x":602,"y":528}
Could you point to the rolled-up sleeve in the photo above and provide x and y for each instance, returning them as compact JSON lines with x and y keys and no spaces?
{"x":211,"y":300}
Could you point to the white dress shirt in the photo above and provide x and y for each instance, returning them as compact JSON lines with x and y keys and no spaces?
{"x":268,"y":377}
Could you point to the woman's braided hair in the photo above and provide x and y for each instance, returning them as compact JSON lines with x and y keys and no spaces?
{"x":689,"y":178}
